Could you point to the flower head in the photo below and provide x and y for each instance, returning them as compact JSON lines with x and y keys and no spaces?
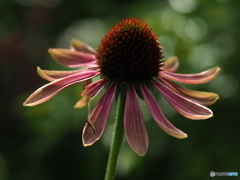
{"x":128,"y":61}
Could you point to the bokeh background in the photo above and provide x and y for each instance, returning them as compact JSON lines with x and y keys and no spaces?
{"x":44,"y":142}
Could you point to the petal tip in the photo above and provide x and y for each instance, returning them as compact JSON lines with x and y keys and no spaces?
{"x":214,"y":99}
{"x":140,"y":152}
{"x":86,"y":145}
{"x":201,"y":117}
{"x":50,"y":50}
{"x":218,"y":68}
{"x":143,"y":154}
{"x":27,"y":104}
{"x":183,"y":136}
{"x":54,"y":52}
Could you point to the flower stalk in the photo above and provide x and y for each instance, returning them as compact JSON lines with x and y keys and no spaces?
{"x":117,"y":138}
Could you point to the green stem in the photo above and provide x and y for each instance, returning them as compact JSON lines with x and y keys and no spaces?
{"x":117,"y":139}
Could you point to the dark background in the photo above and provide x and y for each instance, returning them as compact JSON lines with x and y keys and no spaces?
{"x":44,"y":142}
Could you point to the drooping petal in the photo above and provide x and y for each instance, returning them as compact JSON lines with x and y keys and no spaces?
{"x":158,"y":115}
{"x":82,"y":102}
{"x":92,"y":90}
{"x":54,"y":75}
{"x":201,"y":97}
{"x":85,"y":98}
{"x":82,"y":47}
{"x":134,"y":126}
{"x":99,"y":117}
{"x":184,"y":106}
{"x":171,"y":64}
{"x":51,"y":89}
{"x":71,"y":58}
{"x":198,"y":78}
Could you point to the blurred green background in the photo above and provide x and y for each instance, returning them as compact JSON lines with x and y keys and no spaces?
{"x":44,"y":142}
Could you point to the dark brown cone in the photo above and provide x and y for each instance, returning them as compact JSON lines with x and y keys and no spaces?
{"x":130,"y":52}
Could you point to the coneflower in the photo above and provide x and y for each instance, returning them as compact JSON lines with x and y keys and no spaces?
{"x":129,"y":61}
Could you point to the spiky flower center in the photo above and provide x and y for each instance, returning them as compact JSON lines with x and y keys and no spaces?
{"x":130,"y":52}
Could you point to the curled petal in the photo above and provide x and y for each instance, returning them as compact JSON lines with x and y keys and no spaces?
{"x":184,"y":106}
{"x":82,"y":47}
{"x":198,"y":78}
{"x":54,"y":75}
{"x":201,"y":97}
{"x":134,"y":125}
{"x":171,"y":64}
{"x":71,"y":58}
{"x":82,"y":102}
{"x":99,"y":117}
{"x":92,"y":90}
{"x":158,"y":115}
{"x":51,"y":89}
{"x":85,"y":98}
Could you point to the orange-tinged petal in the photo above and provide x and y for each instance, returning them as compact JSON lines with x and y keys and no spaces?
{"x":82,"y":102}
{"x":82,"y":47}
{"x":171,"y":64}
{"x":198,"y":78}
{"x":85,"y":98}
{"x":46,"y":92}
{"x":54,"y":75}
{"x":184,"y":106}
{"x":201,"y":97}
{"x":71,"y":58}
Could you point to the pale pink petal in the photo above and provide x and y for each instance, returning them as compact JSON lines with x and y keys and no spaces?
{"x":54,"y":75}
{"x":51,"y":89}
{"x":158,"y":115}
{"x":82,"y":47}
{"x":199,"y":78}
{"x":171,"y":64}
{"x":71,"y":58}
{"x":201,"y":97}
{"x":99,"y":117}
{"x":134,"y":125}
{"x":184,"y":106}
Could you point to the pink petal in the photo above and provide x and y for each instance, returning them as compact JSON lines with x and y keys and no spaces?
{"x":51,"y":89}
{"x":134,"y":125}
{"x":99,"y":117}
{"x":54,"y":75}
{"x":71,"y":58}
{"x":93,"y":88}
{"x":82,"y":47}
{"x":199,"y":78}
{"x":200,"y":97}
{"x":158,"y":115}
{"x":171,"y":64}
{"x":184,"y":106}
